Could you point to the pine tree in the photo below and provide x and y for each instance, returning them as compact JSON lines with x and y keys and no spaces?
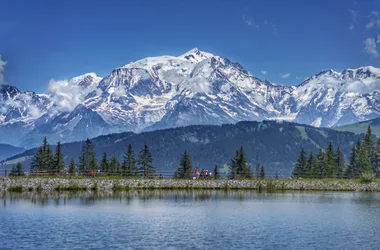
{"x":311,"y":167}
{"x":239,"y":167}
{"x":72,"y":167}
{"x":59,"y":165}
{"x":129,"y":163}
{"x":186,"y":169}
{"x":301,"y":165}
{"x":145,"y":161}
{"x":104,"y":164}
{"x":44,"y":159}
{"x":262,"y":172}
{"x":114,"y":166}
{"x":233,"y":166}
{"x":19,"y":169}
{"x":321,"y":168}
{"x":352,"y":168}
{"x":369,"y":147}
{"x":331,"y":163}
{"x":339,"y":162}
{"x":363,"y":160}
{"x":216,"y":172}
{"x":376,"y":162}
{"x":87,"y":159}
{"x":37,"y":162}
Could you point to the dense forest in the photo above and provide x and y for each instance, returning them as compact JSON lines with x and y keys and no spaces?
{"x":364,"y":161}
{"x":275,"y":145}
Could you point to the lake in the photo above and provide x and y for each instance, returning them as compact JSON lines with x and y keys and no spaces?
{"x":191,"y":220}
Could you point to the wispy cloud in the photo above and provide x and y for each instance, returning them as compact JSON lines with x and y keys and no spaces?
{"x":2,"y":68}
{"x":370,"y":45}
{"x":374,"y":20}
{"x":354,"y":20}
{"x":274,"y":29}
{"x":287,"y":75}
{"x":264,"y":72}
{"x":265,"y":22}
{"x":298,"y":77}
{"x":249,"y":21}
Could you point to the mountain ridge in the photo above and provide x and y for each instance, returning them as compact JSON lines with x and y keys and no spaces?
{"x":194,"y":88}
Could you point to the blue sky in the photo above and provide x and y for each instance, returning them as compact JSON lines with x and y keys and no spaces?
{"x":283,"y":41}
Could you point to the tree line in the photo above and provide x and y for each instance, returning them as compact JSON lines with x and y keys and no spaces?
{"x":47,"y":161}
{"x":364,"y":160}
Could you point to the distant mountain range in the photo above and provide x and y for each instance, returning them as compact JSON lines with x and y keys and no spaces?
{"x":361,"y":127}
{"x":272,"y":143}
{"x":194,"y":88}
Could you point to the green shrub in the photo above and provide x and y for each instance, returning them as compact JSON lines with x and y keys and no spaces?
{"x":367,"y":177}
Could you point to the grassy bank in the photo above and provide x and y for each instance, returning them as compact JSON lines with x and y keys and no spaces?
{"x":114,"y":185}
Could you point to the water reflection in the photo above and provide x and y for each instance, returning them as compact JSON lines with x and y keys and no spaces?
{"x":91,"y":198}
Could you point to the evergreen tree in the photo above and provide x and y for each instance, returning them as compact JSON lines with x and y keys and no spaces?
{"x":239,"y":167}
{"x":311,"y":167}
{"x":301,"y":165}
{"x":19,"y":169}
{"x":258,"y":166}
{"x":339,"y":162}
{"x":13,"y":172}
{"x":321,"y":168}
{"x":352,"y":170}
{"x":262,"y":172}
{"x":233,"y":166}
{"x":129,"y":163}
{"x":176,"y":175}
{"x":59,"y":165}
{"x":114,"y":166}
{"x":145,"y":161}
{"x":216,"y":172}
{"x":363,"y":160}
{"x":37,"y":162}
{"x":186,"y":169}
{"x":72,"y":167}
{"x":104,"y":164}
{"x":376,"y":162}
{"x":44,"y":159}
{"x":87,"y":159}
{"x":331,"y":163}
{"x":369,"y":147}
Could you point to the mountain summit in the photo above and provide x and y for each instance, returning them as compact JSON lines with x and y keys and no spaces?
{"x":194,"y":88}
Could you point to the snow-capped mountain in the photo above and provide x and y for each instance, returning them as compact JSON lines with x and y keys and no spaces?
{"x":194,"y":88}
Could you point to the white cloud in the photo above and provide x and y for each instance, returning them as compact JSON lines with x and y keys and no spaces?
{"x":362,"y":87}
{"x":264,"y":72}
{"x":67,"y":95}
{"x":351,"y":27}
{"x":2,"y":67}
{"x":120,"y":91}
{"x":249,"y":21}
{"x":287,"y":75}
{"x":298,"y":77}
{"x":374,"y":20}
{"x":265,"y":22}
{"x":354,"y":14}
{"x":370,"y":46}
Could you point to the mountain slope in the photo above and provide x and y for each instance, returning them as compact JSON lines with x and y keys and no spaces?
{"x":9,"y":150}
{"x":196,"y":88}
{"x":361,"y":127}
{"x":275,"y":144}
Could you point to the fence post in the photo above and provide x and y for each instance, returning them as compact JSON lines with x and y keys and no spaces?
{"x":6,"y":172}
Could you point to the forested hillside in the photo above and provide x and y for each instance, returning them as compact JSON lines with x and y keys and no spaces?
{"x":274,"y":144}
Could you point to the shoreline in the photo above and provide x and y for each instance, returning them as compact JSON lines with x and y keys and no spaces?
{"x":114,"y":185}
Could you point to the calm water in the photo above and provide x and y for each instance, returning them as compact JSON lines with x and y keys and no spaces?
{"x":191,"y":220}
